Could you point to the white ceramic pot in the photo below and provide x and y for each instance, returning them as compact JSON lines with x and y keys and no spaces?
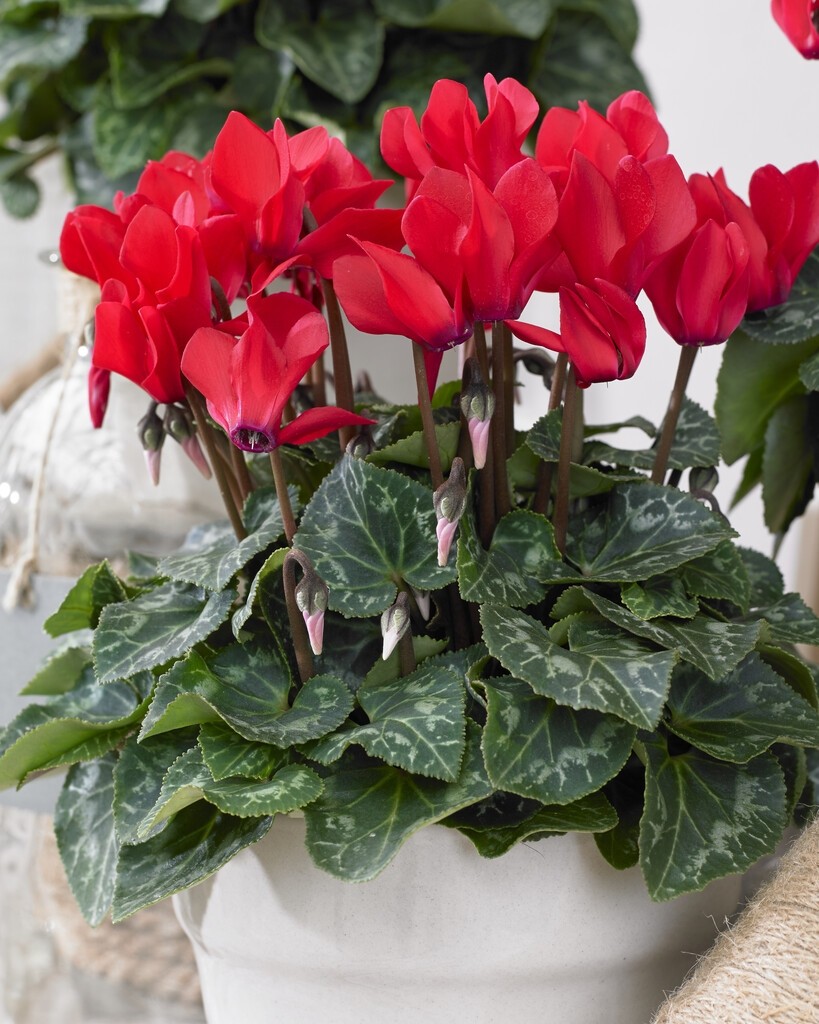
{"x":548,"y":932}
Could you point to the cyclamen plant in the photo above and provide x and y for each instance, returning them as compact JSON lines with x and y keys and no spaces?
{"x":594,"y":654}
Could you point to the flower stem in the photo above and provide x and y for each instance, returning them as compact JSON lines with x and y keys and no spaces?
{"x":688,"y":353}
{"x":425,"y":407}
{"x":283,"y":495}
{"x":561,"y":518}
{"x":545,"y":469}
{"x":298,"y":630}
{"x":406,"y":654}
{"x":240,"y":470}
{"x":498,"y":427}
{"x":342,"y":374}
{"x":317,"y":379}
{"x":219,"y":471}
{"x":509,"y":389}
{"x":479,"y":334}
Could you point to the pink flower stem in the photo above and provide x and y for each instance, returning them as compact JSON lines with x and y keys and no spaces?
{"x":223,"y":477}
{"x":342,"y":374}
{"x":498,"y":427}
{"x":298,"y":630}
{"x":545,"y":469}
{"x":427,"y":420}
{"x":561,"y":515}
{"x":688,"y":353}
{"x":283,"y":495}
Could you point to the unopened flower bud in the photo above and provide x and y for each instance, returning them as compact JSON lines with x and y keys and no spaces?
{"x":395,"y":622}
{"x":449,"y":501}
{"x":477,"y":406}
{"x":703,"y":478}
{"x":423,"y":602}
{"x":179,"y":424}
{"x":152,"y":437}
{"x":361,"y":445}
{"x":99,"y":388}
{"x":311,"y":599}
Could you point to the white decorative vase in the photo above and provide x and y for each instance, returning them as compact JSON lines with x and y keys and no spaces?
{"x":549,"y":932}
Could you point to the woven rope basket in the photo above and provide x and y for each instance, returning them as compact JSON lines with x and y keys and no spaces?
{"x":148,"y":952}
{"x":764,"y":969}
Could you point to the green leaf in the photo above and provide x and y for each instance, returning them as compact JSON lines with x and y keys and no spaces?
{"x":271,"y":568}
{"x":124,"y":140}
{"x":790,"y":621}
{"x":584,"y":481}
{"x":203,"y":10}
{"x":797,"y":318}
{"x":696,"y":443}
{"x":292,"y":787}
{"x":20,"y":195}
{"x":739,"y":716}
{"x":227,"y":754}
{"x":415,"y":722}
{"x":212,"y":556}
{"x":704,"y":819}
{"x":247,"y":687}
{"x":809,"y":372}
{"x":787,"y":464}
{"x":633,"y":688}
{"x":115,"y":8}
{"x":754,"y":379}
{"x":365,"y":815}
{"x":714,"y":647}
{"x":261,"y":78}
{"x":138,"y":779}
{"x":794,"y":670}
{"x":767,"y":585}
{"x":184,"y":784}
{"x":81,"y":607}
{"x":591,"y":814}
{"x":412,"y":450}
{"x":720,"y":574}
{"x":155,"y":628}
{"x":389,"y":671}
{"x":643,"y":530}
{"x":62,"y":669}
{"x":148,"y":62}
{"x":53,"y":732}
{"x":583,"y":61}
{"x":339,"y":45}
{"x":619,"y":15}
{"x":522,"y":551}
{"x":527,"y":18}
{"x":538,"y":749}
{"x":84,"y":827}
{"x":195,"y":843}
{"x":658,"y":596}
{"x":46,"y":46}
{"x":620,"y":845}
{"x":364,"y":531}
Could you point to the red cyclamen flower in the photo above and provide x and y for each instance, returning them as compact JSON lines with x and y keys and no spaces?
{"x":601,"y":330}
{"x":781,"y":225}
{"x":799,"y":20}
{"x":452,"y":136}
{"x":248,"y":381}
{"x":700,"y":289}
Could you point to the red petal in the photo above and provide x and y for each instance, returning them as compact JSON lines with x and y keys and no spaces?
{"x":307,"y":150}
{"x":449,"y":124}
{"x":246,"y":166}
{"x":318,"y":422}
{"x":360,"y":291}
{"x":149,"y":248}
{"x":402,"y":144}
{"x":588,"y":222}
{"x":206,"y":363}
{"x":487,"y":252}
{"x":535,"y":335}
{"x":707,"y":269}
{"x":634,"y":117}
{"x":591,"y":349}
{"x":332,"y":240}
{"x":223,"y":243}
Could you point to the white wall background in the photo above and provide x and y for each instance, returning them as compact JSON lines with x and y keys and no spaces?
{"x":731,"y":92}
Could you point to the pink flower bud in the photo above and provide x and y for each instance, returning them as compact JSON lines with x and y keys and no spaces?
{"x":445,"y":532}
{"x":479,"y":435}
